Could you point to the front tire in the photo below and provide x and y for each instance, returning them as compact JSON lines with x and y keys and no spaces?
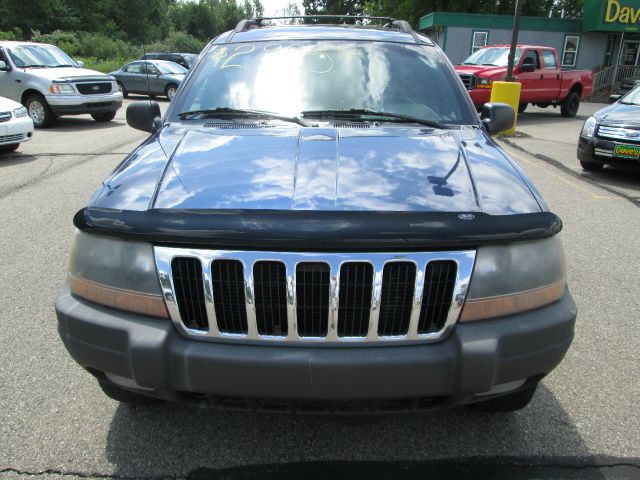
{"x":591,"y":166}
{"x":170,"y":91}
{"x":9,"y":148}
{"x":570,"y":105}
{"x":104,"y":117}
{"x":39,"y":111}
{"x":510,"y":402}
{"x":123,"y":90}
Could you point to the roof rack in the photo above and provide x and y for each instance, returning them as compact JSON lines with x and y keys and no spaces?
{"x":402,"y":25}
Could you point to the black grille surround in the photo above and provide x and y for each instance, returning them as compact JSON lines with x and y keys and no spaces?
{"x":94,"y":88}
{"x":306,"y":298}
{"x":468,"y":80}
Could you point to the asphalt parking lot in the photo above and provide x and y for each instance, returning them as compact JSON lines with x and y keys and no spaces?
{"x":56,"y":423}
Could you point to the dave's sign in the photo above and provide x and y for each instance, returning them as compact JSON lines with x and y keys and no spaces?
{"x":617,"y":12}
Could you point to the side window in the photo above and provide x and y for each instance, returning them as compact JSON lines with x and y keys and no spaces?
{"x":479,"y":40}
{"x":549,"y":60}
{"x":134,"y":68}
{"x":570,"y":50}
{"x":151,"y":69}
{"x":531,"y":58}
{"x":180,"y":61}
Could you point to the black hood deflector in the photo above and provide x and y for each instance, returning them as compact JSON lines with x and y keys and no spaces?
{"x":308,"y":230}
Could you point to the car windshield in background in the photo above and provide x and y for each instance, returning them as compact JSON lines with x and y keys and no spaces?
{"x":171,"y":68}
{"x":632,"y":98}
{"x":40,"y":56}
{"x":498,"y":56}
{"x":291,"y":77}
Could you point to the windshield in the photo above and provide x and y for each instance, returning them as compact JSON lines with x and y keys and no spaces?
{"x":190,"y":58}
{"x":498,"y":56}
{"x":291,"y":77}
{"x":40,"y":56}
{"x":632,"y":98}
{"x":170,"y":67}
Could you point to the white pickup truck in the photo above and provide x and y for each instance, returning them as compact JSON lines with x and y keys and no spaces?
{"x":49,"y":83}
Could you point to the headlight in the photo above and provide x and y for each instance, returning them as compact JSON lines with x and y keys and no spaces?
{"x":515,"y":278}
{"x":61,"y":88}
{"x":484,"y":83}
{"x":589,"y":127}
{"x":116,"y":273}
{"x":20,"y":112}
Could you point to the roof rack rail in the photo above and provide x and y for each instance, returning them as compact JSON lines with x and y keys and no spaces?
{"x":402,"y":25}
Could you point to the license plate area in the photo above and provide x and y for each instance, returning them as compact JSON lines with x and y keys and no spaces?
{"x":631,"y":152}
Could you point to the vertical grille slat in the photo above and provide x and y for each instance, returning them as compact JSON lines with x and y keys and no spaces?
{"x":398,"y":285}
{"x":270,"y":286}
{"x":189,"y":288}
{"x":228,"y":296}
{"x":356,"y":286}
{"x":312,"y":293}
{"x":440,"y":278}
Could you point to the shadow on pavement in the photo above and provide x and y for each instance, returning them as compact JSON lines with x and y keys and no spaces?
{"x":79,"y":123}
{"x":171,"y":440}
{"x":617,"y":177}
{"x":15,"y":158}
{"x":540,"y":117}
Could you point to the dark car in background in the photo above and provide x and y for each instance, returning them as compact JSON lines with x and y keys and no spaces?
{"x":184,"y":59}
{"x":153,"y":77}
{"x":626,"y":85}
{"x":612,"y":135}
{"x":309,"y":229}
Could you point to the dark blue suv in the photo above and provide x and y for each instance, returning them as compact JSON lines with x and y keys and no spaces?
{"x":321,"y":223}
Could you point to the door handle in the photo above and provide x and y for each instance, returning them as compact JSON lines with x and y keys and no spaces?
{"x":18,"y":81}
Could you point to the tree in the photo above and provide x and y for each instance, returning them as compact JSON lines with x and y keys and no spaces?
{"x":333,"y":7}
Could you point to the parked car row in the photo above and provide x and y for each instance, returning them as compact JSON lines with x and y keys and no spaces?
{"x":49,"y":83}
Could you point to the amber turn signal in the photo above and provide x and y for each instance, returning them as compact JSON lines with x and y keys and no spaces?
{"x":143,"y":303}
{"x":491,"y":307}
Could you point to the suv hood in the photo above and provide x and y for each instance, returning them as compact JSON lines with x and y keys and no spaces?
{"x":67,"y":73}
{"x":325,"y":169}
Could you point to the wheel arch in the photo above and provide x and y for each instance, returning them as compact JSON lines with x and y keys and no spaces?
{"x":27,"y":93}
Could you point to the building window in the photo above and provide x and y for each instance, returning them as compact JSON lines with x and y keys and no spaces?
{"x":479,"y":40}
{"x":570,"y":50}
{"x":608,"y":54}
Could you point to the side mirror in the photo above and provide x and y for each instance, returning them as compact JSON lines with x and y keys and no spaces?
{"x":496,"y":117}
{"x":528,"y":67}
{"x":4,"y":67}
{"x":614,"y":98}
{"x":144,"y":116}
{"x":80,"y":63}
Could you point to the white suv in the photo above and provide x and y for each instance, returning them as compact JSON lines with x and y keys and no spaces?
{"x":49,"y":83}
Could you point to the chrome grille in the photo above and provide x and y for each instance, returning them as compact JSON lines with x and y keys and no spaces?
{"x":11,"y":138}
{"x":468,"y":80}
{"x":314,"y":297}
{"x":619,"y":133}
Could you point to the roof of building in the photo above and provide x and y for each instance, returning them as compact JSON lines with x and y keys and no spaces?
{"x":478,"y":20}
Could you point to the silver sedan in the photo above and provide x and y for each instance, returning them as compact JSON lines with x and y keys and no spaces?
{"x":150,"y":77}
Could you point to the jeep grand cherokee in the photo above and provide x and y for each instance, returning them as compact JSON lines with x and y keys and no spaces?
{"x":320,"y":223}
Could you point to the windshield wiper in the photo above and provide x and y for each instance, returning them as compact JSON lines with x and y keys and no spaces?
{"x":63,"y":65}
{"x":362,"y":112}
{"x":33,"y":66}
{"x":225,"y":112}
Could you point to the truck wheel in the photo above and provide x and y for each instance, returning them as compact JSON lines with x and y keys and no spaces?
{"x":522,"y":107}
{"x":569,"y":106}
{"x":507,"y":403}
{"x":125,"y":396}
{"x":9,"y":148}
{"x":104,"y":117}
{"x":591,"y":166}
{"x":39,"y":111}
{"x":170,"y":91}
{"x":123,"y":90}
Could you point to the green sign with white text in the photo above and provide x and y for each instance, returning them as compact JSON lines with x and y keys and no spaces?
{"x":611,"y":16}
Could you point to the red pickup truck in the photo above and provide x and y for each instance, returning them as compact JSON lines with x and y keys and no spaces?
{"x":537,"y":69}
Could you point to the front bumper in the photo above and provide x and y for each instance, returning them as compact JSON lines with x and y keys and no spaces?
{"x":16,"y":130}
{"x":79,"y":104}
{"x":480,"y":96}
{"x":599,"y":150}
{"x":163,"y":363}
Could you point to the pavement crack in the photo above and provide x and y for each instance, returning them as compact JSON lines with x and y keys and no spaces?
{"x":560,"y":166}
{"x":77,"y":474}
